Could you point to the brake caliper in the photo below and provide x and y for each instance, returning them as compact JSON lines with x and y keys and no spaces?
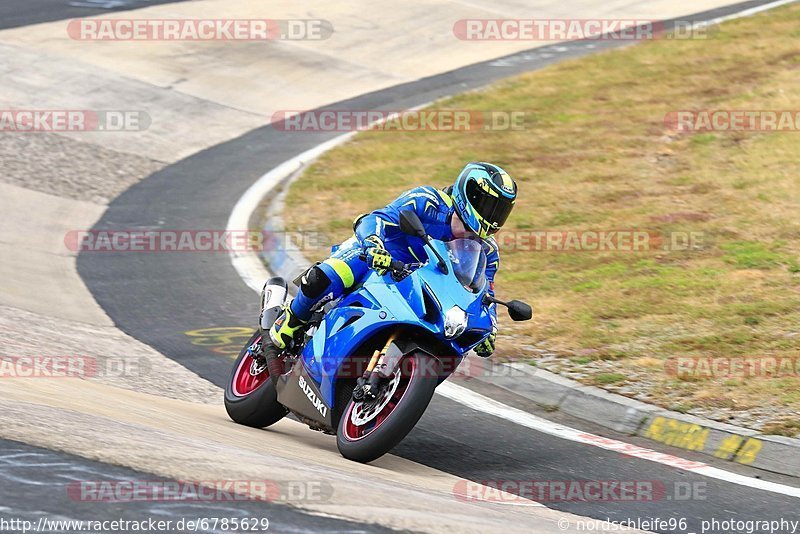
{"x":254,"y":350}
{"x":365,"y":391}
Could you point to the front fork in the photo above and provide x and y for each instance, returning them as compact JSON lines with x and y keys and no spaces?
{"x":368,"y":383}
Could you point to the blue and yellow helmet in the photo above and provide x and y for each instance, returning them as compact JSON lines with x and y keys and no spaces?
{"x":484,"y":195}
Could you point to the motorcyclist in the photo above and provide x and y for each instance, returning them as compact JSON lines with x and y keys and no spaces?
{"x":475,"y":206}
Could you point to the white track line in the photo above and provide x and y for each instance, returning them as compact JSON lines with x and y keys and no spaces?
{"x":247,"y":263}
{"x":254,"y":273}
{"x":478,"y":402}
{"x":746,"y":13}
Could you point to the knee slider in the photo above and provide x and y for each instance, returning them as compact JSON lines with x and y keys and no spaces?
{"x":314,"y":282}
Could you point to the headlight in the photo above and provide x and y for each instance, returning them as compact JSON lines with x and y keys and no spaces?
{"x":455,"y":321}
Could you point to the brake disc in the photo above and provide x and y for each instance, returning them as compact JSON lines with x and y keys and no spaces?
{"x":365,"y":411}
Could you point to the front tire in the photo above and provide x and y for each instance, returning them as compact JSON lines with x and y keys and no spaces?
{"x":251,"y":399}
{"x":364,"y":441}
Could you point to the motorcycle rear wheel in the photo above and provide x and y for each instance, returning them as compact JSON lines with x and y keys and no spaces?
{"x":250,"y":397}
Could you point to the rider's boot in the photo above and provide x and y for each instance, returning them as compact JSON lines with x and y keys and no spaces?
{"x":282,"y":332}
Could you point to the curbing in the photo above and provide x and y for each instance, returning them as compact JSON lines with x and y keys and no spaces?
{"x":777,"y":454}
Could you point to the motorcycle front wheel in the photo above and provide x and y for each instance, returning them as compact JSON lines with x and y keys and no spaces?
{"x":368,"y":430}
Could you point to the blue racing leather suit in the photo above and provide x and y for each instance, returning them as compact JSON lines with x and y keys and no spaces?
{"x":344,"y":269}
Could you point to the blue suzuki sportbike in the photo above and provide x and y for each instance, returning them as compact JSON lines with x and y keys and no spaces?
{"x":367,"y":367}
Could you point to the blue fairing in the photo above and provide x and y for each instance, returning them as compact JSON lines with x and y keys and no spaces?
{"x":381,"y":303}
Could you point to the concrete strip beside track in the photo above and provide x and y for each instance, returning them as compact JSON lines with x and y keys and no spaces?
{"x":37,"y":269}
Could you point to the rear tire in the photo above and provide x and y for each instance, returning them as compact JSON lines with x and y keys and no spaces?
{"x":257,"y":407}
{"x":417,"y":384}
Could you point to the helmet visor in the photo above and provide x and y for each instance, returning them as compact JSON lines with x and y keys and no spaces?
{"x":494,"y":210}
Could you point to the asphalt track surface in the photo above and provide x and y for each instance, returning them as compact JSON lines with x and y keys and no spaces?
{"x":156,"y":298}
{"x":24,"y":497}
{"x":17,"y":13}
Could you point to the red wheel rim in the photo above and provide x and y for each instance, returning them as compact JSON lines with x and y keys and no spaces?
{"x":244,"y":382}
{"x":354,"y":432}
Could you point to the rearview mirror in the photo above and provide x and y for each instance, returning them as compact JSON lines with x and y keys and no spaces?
{"x":519,"y":311}
{"x":410,"y":224}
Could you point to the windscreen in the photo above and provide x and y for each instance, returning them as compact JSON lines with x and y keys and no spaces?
{"x":469,"y":262}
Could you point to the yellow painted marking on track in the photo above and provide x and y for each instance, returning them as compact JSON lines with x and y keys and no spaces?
{"x":223,"y":340}
{"x":687,"y":436}
{"x":728,"y":447}
{"x":693,"y":437}
{"x":749,"y":451}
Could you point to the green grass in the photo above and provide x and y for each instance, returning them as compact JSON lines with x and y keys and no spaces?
{"x":596,"y":154}
{"x":609,"y":378}
{"x":754,"y":255}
